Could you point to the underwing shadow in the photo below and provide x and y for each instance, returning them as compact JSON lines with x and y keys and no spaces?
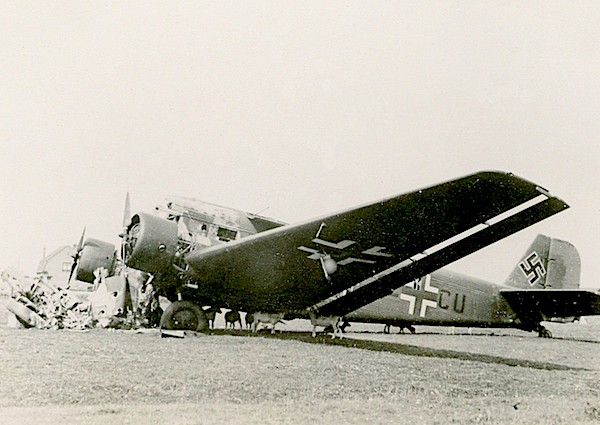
{"x":412,"y":350}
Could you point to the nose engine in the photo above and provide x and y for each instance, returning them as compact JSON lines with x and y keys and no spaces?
{"x":151,"y":243}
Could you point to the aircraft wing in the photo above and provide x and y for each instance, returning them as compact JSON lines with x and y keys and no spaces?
{"x":340,"y":262}
{"x":550,"y":303}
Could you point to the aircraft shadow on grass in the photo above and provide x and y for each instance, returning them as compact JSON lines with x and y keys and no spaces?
{"x":413,"y":350}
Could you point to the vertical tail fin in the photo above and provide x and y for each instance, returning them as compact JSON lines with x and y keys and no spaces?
{"x":547,"y":263}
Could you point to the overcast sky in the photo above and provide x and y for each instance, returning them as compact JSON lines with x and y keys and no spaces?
{"x":294,"y":108}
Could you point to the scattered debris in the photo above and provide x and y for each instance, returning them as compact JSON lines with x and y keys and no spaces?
{"x":111,"y":302}
{"x":178,"y":334}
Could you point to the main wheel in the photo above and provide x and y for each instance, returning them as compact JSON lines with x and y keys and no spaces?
{"x":185,"y":316}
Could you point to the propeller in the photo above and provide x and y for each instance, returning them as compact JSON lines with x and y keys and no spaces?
{"x":126,"y":221}
{"x":76,"y":257}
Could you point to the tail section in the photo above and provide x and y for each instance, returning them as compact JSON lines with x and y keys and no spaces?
{"x":547,"y":263}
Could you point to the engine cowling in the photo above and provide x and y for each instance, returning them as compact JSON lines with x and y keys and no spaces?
{"x":95,"y":254}
{"x":151,"y":243}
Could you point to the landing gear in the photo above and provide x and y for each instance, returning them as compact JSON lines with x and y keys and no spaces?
{"x":411,"y":329}
{"x":543,"y":332}
{"x":185,"y":316}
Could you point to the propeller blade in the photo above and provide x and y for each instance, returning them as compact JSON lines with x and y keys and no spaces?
{"x":126,"y":220}
{"x":80,"y":244}
{"x":76,"y":257}
{"x":127,"y":213}
{"x":73,"y":267}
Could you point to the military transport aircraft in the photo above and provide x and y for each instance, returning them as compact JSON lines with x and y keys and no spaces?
{"x":543,"y":286}
{"x":202,"y":254}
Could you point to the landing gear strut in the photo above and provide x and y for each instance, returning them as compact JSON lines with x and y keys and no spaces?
{"x":543,"y":332}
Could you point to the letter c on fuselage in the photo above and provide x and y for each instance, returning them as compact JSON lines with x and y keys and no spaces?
{"x":441,"y":302}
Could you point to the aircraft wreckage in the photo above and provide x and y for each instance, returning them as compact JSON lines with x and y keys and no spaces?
{"x":121,"y":301}
{"x":199,"y":254}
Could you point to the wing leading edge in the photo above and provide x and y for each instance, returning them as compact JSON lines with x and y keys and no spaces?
{"x":340,"y":262}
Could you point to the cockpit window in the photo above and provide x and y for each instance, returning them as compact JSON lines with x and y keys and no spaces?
{"x":226,"y":234}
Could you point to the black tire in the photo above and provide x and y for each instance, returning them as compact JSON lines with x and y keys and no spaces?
{"x":184,"y":316}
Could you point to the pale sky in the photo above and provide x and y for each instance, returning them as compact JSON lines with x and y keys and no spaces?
{"x":295,"y":108}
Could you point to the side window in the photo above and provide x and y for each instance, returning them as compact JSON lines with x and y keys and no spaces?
{"x":226,"y":234}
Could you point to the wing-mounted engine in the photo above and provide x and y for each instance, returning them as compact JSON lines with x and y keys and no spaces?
{"x":95,"y":254}
{"x":151,"y":243}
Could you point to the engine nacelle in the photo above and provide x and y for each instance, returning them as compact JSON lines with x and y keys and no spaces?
{"x":151,"y":243}
{"x":95,"y":254}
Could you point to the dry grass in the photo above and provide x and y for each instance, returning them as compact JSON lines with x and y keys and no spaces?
{"x":118,"y":377}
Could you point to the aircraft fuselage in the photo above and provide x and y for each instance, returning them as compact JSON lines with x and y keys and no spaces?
{"x":442,"y":298}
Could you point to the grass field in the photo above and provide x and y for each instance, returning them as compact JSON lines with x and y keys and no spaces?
{"x":231,"y":377}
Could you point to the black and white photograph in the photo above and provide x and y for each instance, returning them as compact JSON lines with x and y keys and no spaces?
{"x":299,"y":212}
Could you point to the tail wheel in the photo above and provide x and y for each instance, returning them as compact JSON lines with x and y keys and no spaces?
{"x":544,"y":333}
{"x":185,"y":316}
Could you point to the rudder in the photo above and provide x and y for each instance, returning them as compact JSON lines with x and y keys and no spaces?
{"x":564,"y":265}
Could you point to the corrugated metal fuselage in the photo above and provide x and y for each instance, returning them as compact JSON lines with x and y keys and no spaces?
{"x":443,"y":298}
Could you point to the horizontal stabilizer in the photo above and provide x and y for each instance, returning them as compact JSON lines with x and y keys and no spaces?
{"x":548,"y":303}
